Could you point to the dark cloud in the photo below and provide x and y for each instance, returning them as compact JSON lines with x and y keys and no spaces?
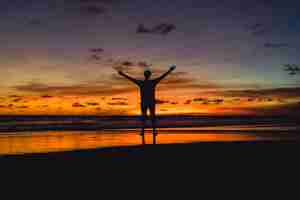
{"x":263,"y":93}
{"x":120,"y":103}
{"x":89,"y":7}
{"x":119,"y":99}
{"x":92,"y":10}
{"x":76,"y":89}
{"x":92,"y":103}
{"x":10,"y":105}
{"x":159,"y":102}
{"x":292,"y":69}
{"x":129,"y":66}
{"x":259,"y":29}
{"x":46,"y":96}
{"x":77,"y":105}
{"x":187,"y":102}
{"x":17,"y":100}
{"x":217,"y":101}
{"x":14,"y":96}
{"x":199,"y":99}
{"x":162,"y":29}
{"x":98,"y":109}
{"x":142,"y":29}
{"x":2,"y":106}
{"x":207,"y":101}
{"x":276,"y":45}
{"x":22,"y":107}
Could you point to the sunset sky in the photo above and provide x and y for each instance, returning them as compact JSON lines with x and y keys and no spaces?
{"x":61,"y":56}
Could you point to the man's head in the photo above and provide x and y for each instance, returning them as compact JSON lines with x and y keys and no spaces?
{"x":147,"y":74}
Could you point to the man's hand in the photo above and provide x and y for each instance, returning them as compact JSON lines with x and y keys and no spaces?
{"x":173,"y":67}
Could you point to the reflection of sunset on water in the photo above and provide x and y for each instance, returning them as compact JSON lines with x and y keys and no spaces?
{"x":66,"y":141}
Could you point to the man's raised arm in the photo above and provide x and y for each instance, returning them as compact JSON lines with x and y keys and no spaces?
{"x":165,"y":74}
{"x":128,"y":77}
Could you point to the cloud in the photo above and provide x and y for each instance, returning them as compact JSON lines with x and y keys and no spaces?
{"x":176,"y":80}
{"x":207,"y":101}
{"x":159,"y":102}
{"x":98,"y":109}
{"x":199,"y":99}
{"x":119,"y":99}
{"x":188,"y":102}
{"x":264,"y":93}
{"x":119,"y":103}
{"x":92,"y":103}
{"x":2,"y":106}
{"x":259,"y":29}
{"x":162,"y":29}
{"x":92,"y":10}
{"x":22,"y":107}
{"x":14,"y":96}
{"x":290,"y":109}
{"x":131,"y":66}
{"x":95,"y":57}
{"x":292,"y":69}
{"x":77,"y":105}
{"x":89,"y":7}
{"x":276,"y":45}
{"x":46,"y":96}
{"x":143,"y":64}
{"x":17,"y":100}
{"x":127,"y":63}
{"x":92,"y":88}
{"x":96,"y":50}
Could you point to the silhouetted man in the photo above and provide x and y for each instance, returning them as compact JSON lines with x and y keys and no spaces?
{"x":147,"y":89}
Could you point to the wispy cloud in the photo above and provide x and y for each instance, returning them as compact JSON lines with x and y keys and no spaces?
{"x":264,"y":93}
{"x":276,"y":45}
{"x":77,"y":105}
{"x":92,"y":103}
{"x":259,"y":29}
{"x":46,"y":96}
{"x":119,"y":103}
{"x":76,"y":89}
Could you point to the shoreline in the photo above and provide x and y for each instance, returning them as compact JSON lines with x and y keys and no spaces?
{"x":188,"y":150}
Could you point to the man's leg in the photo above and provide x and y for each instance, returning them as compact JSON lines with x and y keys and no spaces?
{"x":143,"y":117}
{"x":153,"y":119}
